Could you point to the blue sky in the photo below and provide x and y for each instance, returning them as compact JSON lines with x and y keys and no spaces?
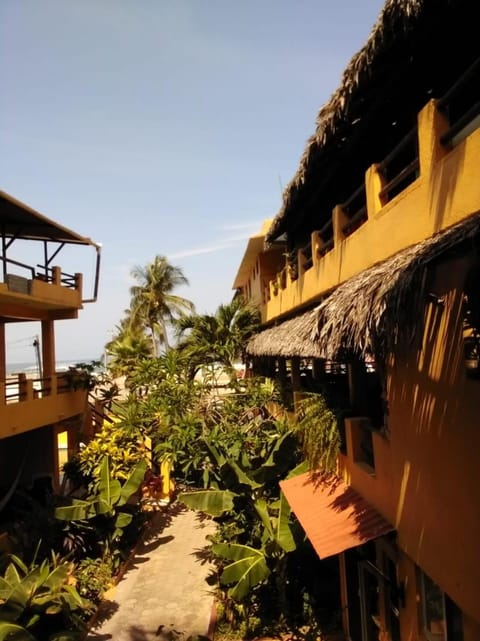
{"x":162,"y":127}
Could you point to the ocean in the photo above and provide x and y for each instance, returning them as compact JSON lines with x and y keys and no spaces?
{"x":30,"y":367}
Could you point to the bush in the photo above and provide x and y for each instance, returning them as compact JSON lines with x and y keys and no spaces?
{"x":94,"y":578}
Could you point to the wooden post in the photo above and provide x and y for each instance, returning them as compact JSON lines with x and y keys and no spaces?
{"x":48,"y":349}
{"x":3,"y":354}
{"x":295,"y":370}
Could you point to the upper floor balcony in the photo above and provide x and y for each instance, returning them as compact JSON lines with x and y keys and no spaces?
{"x":427,"y":183}
{"x":32,"y":285}
{"x":29,"y":403}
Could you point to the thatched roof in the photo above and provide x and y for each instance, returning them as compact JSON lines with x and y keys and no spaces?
{"x":403,"y":64}
{"x":372,"y":312}
{"x":290,"y":338}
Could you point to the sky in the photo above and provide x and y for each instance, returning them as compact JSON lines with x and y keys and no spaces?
{"x":161,"y":127}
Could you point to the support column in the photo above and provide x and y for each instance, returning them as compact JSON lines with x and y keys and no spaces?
{"x":3,"y":353}
{"x":432,"y":124}
{"x":374,"y":183}
{"x":295,"y":373}
{"x":48,"y":349}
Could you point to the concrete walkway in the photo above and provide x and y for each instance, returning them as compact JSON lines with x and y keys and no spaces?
{"x":163,"y":595}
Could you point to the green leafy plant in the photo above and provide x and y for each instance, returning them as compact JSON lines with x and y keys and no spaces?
{"x":317,"y":427}
{"x":40,"y":601}
{"x":94,"y":577}
{"x":107,"y":507}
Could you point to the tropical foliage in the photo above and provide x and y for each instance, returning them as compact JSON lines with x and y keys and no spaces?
{"x":217,"y":338}
{"x":40,"y":602}
{"x":105,"y":509}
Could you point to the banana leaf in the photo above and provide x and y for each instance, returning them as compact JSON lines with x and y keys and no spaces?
{"x":278,"y":460}
{"x":261,"y":508}
{"x":213,"y":502}
{"x":108,"y":489}
{"x":78,"y":510}
{"x":13,"y":632}
{"x":133,"y":482}
{"x":283,"y":534}
{"x":249,"y":568}
{"x":232,"y":475}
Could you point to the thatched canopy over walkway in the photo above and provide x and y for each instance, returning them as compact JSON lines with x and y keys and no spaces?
{"x":372,"y":312}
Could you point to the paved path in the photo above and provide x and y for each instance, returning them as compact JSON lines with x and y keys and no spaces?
{"x":163,"y":596}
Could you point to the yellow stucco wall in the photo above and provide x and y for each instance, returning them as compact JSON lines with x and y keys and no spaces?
{"x":447,"y":191}
{"x":16,"y":418}
{"x":427,"y":476}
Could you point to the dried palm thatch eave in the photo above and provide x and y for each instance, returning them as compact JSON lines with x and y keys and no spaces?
{"x":372,"y":312}
{"x":288,"y":339}
{"x":382,"y":307}
{"x":396,"y":18}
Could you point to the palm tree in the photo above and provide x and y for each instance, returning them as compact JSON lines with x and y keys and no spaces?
{"x":220,"y":337}
{"x":127,"y":349}
{"x":153,"y":304}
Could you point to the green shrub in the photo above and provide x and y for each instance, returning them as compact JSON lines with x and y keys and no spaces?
{"x":94,"y":577}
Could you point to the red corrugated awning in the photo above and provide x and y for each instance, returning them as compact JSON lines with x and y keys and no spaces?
{"x":334,"y":516}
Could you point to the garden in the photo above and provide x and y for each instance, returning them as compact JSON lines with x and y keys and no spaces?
{"x":227,"y":449}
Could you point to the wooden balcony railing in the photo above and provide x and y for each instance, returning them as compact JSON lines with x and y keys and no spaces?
{"x":461,"y":104}
{"x":401,"y":167}
{"x":20,"y":388}
{"x":356,"y":210}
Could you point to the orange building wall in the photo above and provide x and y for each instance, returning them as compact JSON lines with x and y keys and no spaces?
{"x":427,"y":471}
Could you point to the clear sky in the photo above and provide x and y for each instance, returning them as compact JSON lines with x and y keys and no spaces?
{"x":162,"y":127}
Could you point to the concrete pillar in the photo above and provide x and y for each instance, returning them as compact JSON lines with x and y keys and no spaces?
{"x":340,"y":219}
{"x":3,"y":353}
{"x":432,"y":124}
{"x":48,"y":348}
{"x":374,"y":183}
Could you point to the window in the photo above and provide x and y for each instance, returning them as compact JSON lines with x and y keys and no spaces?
{"x":442,"y":619}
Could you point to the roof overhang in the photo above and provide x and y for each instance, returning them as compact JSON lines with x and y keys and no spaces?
{"x":18,"y":220}
{"x":372,"y":312}
{"x":290,"y":338}
{"x":255,"y":246}
{"x":334,"y":516}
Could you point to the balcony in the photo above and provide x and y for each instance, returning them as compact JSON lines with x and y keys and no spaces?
{"x":31,"y":287}
{"x":29,"y":403}
{"x":424,"y":185}
{"x":51,"y":290}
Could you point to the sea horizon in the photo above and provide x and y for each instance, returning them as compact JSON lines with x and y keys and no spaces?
{"x":60,"y":364}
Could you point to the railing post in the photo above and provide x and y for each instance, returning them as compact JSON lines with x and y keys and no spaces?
{"x":53,"y":385}
{"x":56,"y":275}
{"x":317,"y":243}
{"x":374,"y":183}
{"x":3,"y":399}
{"x":22,"y":386}
{"x":79,"y":283}
{"x":432,"y":124}
{"x":340,"y":219}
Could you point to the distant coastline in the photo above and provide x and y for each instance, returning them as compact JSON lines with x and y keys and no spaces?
{"x":31,"y":366}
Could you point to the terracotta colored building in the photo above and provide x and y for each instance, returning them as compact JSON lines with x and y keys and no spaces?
{"x":375,"y":302}
{"x":41,"y":412}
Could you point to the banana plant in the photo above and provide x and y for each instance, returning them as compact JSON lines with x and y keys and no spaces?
{"x":239,"y":487}
{"x":108,"y":501}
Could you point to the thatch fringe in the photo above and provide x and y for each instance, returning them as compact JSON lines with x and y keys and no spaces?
{"x":371,"y":313}
{"x":288,"y":339}
{"x":397,"y":17}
